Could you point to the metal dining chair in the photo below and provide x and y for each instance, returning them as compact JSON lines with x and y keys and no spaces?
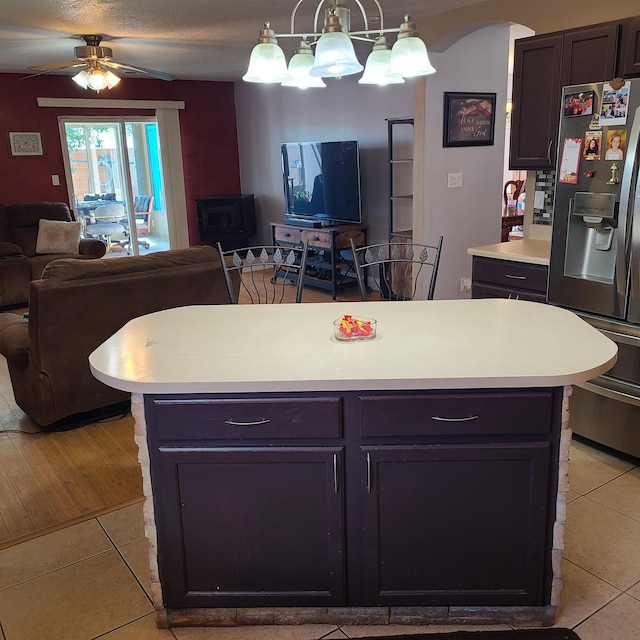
{"x":396,"y":269}
{"x":265,"y":271}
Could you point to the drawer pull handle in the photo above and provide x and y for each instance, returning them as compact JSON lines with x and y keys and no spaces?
{"x":508,"y":275}
{"x":234,"y":423}
{"x":369,"y":472}
{"x":286,"y":235}
{"x":465,"y":419}
{"x":315,"y":238}
{"x":335,"y":472}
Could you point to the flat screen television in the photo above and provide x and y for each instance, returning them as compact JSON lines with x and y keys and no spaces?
{"x":322,"y":181}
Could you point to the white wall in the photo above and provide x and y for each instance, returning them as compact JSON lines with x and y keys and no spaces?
{"x":269,"y":115}
{"x":468,"y":216}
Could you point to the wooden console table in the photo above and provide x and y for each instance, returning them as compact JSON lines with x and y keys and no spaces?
{"x":327,"y":267}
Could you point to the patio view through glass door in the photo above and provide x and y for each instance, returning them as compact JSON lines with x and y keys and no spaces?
{"x":115,"y":181}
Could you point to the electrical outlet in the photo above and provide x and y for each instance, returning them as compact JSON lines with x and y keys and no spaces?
{"x":454,"y":180}
{"x":465,"y":284}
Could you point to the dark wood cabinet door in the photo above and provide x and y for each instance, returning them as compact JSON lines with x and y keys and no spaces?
{"x":450,"y":524}
{"x":251,"y":526}
{"x":629,"y":62}
{"x":536,"y":100}
{"x":589,"y":55}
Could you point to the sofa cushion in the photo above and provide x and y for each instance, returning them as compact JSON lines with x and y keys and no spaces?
{"x":56,"y":236}
{"x":75,"y":269}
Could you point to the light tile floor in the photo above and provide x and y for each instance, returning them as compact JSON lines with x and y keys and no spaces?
{"x":88,"y":580}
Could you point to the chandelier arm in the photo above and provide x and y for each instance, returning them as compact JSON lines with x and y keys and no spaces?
{"x":293,"y":16}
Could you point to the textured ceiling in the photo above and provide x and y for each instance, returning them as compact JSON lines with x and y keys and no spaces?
{"x":190,"y":39}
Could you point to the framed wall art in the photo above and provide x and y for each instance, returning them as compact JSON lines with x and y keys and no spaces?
{"x":469,"y":119}
{"x":25,"y":143}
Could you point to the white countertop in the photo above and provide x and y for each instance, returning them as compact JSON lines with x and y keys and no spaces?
{"x":439,"y":344}
{"x":525,"y":250}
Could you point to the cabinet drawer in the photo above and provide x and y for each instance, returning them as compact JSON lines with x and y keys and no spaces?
{"x":465,"y":413}
{"x":317,"y":238}
{"x":491,"y":291}
{"x":241,"y":419}
{"x":514,"y":275}
{"x":287,"y":234}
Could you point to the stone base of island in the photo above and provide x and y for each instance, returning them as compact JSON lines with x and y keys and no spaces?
{"x":417,"y":477}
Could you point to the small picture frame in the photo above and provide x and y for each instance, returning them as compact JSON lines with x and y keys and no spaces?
{"x":25,"y":143}
{"x":469,"y":119}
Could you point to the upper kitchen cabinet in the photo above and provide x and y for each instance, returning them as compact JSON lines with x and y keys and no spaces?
{"x":536,"y":94}
{"x":629,"y":62}
{"x":542,"y":66}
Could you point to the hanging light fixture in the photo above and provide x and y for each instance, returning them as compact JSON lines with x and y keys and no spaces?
{"x":299,"y":68}
{"x":96,"y":77}
{"x":335,"y":55}
{"x":377,"y":69}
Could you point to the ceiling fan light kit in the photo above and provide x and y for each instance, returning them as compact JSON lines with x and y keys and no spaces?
{"x":96,"y":63}
{"x":335,"y":55}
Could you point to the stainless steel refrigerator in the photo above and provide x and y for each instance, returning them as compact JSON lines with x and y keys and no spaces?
{"x":595,"y":248}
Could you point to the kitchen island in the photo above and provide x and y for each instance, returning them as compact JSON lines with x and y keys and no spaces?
{"x":419,"y":476}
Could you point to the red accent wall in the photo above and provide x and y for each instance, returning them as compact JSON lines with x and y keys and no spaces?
{"x":207,"y":128}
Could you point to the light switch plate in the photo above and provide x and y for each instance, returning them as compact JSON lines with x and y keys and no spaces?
{"x":538,"y":200}
{"x":454,"y":180}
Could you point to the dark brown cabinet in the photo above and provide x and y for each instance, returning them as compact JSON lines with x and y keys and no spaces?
{"x":251,"y":506}
{"x":493,"y":278}
{"x":536,"y":102}
{"x":629,"y":63}
{"x":355,"y":499}
{"x":542,"y":66}
{"x":434,"y":524}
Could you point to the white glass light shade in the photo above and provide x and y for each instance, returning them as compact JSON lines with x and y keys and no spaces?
{"x":82,"y":78}
{"x":267,"y":64}
{"x":409,"y":58}
{"x":335,"y":56}
{"x":376,"y":71}
{"x":299,"y":67}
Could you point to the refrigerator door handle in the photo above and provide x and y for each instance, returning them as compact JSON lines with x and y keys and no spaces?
{"x":626,"y":241}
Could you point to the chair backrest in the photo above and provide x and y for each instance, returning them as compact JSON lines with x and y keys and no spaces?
{"x":109,"y":212}
{"x":142,"y":203}
{"x":396,"y":269}
{"x":266,"y":271}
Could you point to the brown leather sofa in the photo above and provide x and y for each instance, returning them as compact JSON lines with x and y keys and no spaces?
{"x":19,"y":262}
{"x":75,"y":307}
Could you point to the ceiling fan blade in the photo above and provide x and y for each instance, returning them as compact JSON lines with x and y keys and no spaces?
{"x":41,"y":73}
{"x":52,"y":66}
{"x":127,"y":67}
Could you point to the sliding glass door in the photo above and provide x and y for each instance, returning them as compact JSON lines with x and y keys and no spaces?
{"x":114,"y":176}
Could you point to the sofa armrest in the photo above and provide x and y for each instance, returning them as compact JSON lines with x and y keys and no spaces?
{"x":14,"y":337}
{"x":8,"y":250}
{"x":92,"y":247}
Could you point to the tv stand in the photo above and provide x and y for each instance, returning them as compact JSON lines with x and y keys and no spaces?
{"x":327,"y":266}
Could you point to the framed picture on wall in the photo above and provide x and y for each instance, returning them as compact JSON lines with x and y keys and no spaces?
{"x":25,"y":143}
{"x":469,"y":119}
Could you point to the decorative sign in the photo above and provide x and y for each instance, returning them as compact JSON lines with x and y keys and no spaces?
{"x":469,"y":119}
{"x":27,"y":143}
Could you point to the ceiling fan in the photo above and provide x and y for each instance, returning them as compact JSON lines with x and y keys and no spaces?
{"x":95,"y":63}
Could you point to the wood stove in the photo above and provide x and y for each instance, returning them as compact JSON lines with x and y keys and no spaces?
{"x":229,"y":220}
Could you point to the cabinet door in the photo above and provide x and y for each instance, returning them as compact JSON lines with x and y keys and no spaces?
{"x":536,"y":102}
{"x":251,"y":526}
{"x":589,"y":55}
{"x":454,"y":524}
{"x":629,"y":62}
